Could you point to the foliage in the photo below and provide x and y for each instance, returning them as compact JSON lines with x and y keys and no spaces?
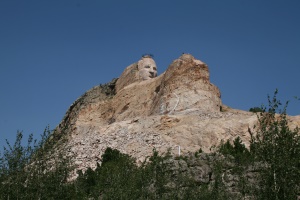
{"x":198,"y":152}
{"x":241,"y":158}
{"x":238,"y":150}
{"x":28,"y":172}
{"x":277,"y":148}
{"x":113,"y":179}
{"x":256,"y":109}
{"x":156,"y":179}
{"x":274,"y":156}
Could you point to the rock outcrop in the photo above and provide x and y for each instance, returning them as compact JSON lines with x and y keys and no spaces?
{"x":178,"y":108}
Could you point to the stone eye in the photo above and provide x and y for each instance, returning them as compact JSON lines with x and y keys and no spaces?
{"x":154,"y":68}
{"x":147,"y":66}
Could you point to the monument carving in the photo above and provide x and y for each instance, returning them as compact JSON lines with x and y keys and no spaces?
{"x":142,"y":70}
{"x":147,"y":68}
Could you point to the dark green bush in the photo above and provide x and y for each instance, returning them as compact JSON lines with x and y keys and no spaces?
{"x":256,"y":109}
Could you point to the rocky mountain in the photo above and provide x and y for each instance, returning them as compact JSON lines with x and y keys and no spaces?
{"x":140,"y":111}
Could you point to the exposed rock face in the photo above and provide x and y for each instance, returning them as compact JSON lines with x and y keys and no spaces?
{"x":178,"y":108}
{"x":129,"y":76}
{"x":185,"y":87}
{"x":200,"y":167}
{"x":96,"y":94}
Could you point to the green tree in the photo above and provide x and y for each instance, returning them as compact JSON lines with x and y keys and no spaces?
{"x":277,"y":150}
{"x":115,"y":178}
{"x":238,"y":150}
{"x":12,"y":173}
{"x":239,"y":158}
{"x":34,"y":171}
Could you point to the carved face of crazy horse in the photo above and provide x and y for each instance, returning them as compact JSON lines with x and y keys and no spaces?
{"x":147,"y":68}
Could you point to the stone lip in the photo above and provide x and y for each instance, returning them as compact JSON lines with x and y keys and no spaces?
{"x":178,"y":108}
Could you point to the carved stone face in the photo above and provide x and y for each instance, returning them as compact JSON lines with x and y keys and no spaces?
{"x":147,"y":68}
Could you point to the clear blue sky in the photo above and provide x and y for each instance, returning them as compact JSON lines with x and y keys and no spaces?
{"x":52,"y":51}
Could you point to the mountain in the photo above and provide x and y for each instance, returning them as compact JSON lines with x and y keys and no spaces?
{"x":141,"y":111}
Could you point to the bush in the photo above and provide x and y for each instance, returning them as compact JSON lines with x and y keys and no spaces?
{"x":256,"y":109}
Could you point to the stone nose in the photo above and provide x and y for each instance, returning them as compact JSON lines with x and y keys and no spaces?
{"x":152,"y":73}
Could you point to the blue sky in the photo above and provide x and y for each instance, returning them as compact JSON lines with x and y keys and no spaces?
{"x":52,"y":51}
